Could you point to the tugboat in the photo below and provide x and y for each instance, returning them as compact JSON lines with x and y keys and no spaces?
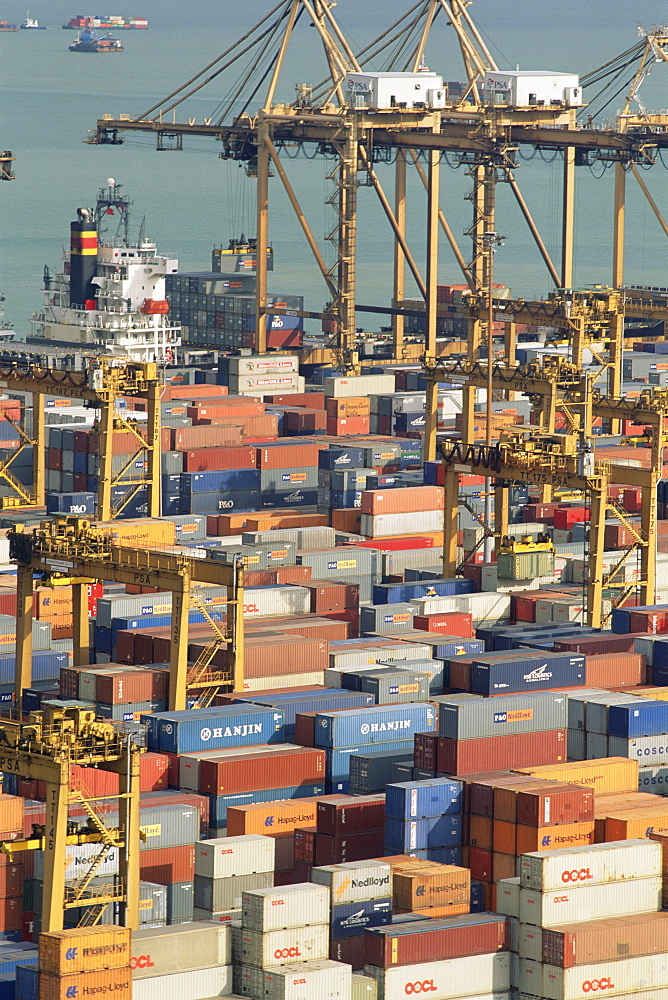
{"x":110,"y":293}
{"x":31,"y":23}
{"x":88,"y":40}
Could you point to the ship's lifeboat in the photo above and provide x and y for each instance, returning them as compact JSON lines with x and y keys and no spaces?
{"x":155,"y":307}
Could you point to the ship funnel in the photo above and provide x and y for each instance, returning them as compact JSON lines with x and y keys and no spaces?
{"x":83,"y":259}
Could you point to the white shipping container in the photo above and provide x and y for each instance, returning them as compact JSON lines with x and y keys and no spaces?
{"x":284,"y":947}
{"x":285,"y":906}
{"x":78,"y":860}
{"x":325,"y":980}
{"x":644,"y":749}
{"x":216,"y":982}
{"x":624,"y":976}
{"x":276,"y":601}
{"x":653,"y":779}
{"x":530,"y":942}
{"x":490,"y":606}
{"x":514,"y":938}
{"x":359,"y":385}
{"x":379,"y":525}
{"x":260,"y":364}
{"x":163,"y":951}
{"x":589,"y":902}
{"x":227,"y":856}
{"x":528,"y":977}
{"x":624,"y":860}
{"x":508,"y":897}
{"x":352,"y":658}
{"x":355,"y":880}
{"x":278,"y":681}
{"x":445,"y":979}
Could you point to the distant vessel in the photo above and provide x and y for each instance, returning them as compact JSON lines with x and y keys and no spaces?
{"x":88,"y":40}
{"x":32,"y":23}
{"x":7,"y":332}
{"x":110,"y":293}
{"x":106,"y":21}
{"x":6,"y":26}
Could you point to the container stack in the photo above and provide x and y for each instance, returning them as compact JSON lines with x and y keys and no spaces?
{"x":187,"y":962}
{"x":445,"y":957}
{"x":85,"y":961}
{"x":277,"y":821}
{"x":361,"y":898}
{"x":227,"y":866}
{"x":563,"y":894}
{"x":278,"y":927}
{"x":424,"y":818}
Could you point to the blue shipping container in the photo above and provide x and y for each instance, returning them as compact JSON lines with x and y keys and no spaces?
{"x":420,"y":799}
{"x":528,"y":673}
{"x":341,"y":458}
{"x":352,"y":919}
{"x":219,"y":804}
{"x":401,"y":593}
{"x":363,"y":726}
{"x":418,"y":834}
{"x":441,"y":855}
{"x":225,"y":480}
{"x":337,"y":767}
{"x":642,"y":717}
{"x":215,"y":729}
{"x":70,"y":503}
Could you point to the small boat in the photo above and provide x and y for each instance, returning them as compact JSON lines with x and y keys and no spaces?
{"x":88,"y":40}
{"x":6,"y":26}
{"x":32,"y":23}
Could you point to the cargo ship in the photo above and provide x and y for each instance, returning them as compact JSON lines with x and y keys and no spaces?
{"x":32,"y":24}
{"x":110,"y":291}
{"x":114,"y":21}
{"x":88,"y":40}
{"x":6,"y":26}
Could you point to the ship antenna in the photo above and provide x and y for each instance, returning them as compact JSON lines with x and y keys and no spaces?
{"x":142,"y":233}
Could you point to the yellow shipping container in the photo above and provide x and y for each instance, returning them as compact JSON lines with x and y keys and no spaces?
{"x":655,"y":693}
{"x":141,"y":531}
{"x":606,"y":776}
{"x":82,"y":950}
{"x":104,"y":982}
{"x":604,"y":805}
{"x":272,"y":819}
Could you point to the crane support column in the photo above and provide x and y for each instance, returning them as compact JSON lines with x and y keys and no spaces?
{"x":235,"y":648}
{"x":39,"y":449}
{"x":129,"y":821}
{"x":501,"y":508}
{"x":262,"y":236}
{"x":178,"y":666}
{"x":24,"y":609}
{"x":648,"y":551}
{"x":106,"y":434}
{"x":568,"y":218}
{"x":431,"y":408}
{"x":399,"y":258}
{"x":451,"y":521}
{"x":596,"y":547}
{"x":55,"y":834}
{"x":81,"y":625}
{"x":154,"y":450}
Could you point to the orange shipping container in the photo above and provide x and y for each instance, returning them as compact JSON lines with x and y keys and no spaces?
{"x":434,"y":885}
{"x":139,"y":531}
{"x":106,"y":982}
{"x":606,"y":776}
{"x":402,"y":501}
{"x":84,"y":949}
{"x":11,"y":813}
{"x":503,"y":866}
{"x":552,"y":838}
{"x":346,"y":519}
{"x":349,"y":406}
{"x":271,"y":819}
{"x":435,"y":912}
{"x":630,"y":824}
{"x":607,"y":804}
{"x":480,"y":832}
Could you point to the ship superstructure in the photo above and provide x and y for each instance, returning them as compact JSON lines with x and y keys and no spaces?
{"x":110,"y":292}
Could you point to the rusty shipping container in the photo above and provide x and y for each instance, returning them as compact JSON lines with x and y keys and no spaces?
{"x":605,"y":940}
{"x":464,"y":756}
{"x":248,"y":773}
{"x":555,"y":805}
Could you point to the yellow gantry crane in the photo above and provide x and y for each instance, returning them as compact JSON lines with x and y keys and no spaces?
{"x":73,"y":551}
{"x":44,"y":747}
{"x":102,"y":382}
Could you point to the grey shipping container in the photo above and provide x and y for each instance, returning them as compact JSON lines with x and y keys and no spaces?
{"x":371,"y":772}
{"x":386,"y":617}
{"x":484,"y":717}
{"x":217,"y":894}
{"x":390,"y":685}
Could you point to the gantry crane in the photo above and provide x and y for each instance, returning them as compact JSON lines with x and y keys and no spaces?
{"x":43,"y":747}
{"x":73,"y":551}
{"x":100,"y":384}
{"x":482,"y":137}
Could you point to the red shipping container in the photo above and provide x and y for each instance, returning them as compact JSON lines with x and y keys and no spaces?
{"x":460,"y":673}
{"x":350,"y":814}
{"x":521,"y":750}
{"x":632,"y":499}
{"x":230,"y":407}
{"x":351,"y":618}
{"x":130,"y":687}
{"x":396,"y":543}
{"x":11,"y":910}
{"x":356,"y":847}
{"x":288,"y":456}
{"x":11,"y":880}
{"x":615,"y":670}
{"x":305,"y":421}
{"x":200,"y":391}
{"x":437,"y":940}
{"x":205,"y":436}
{"x":554,"y":806}
{"x":606,"y":940}
{"x":332,"y":595}
{"x":479,"y":789}
{"x":54,"y":459}
{"x":350,"y":950}
{"x":481,"y":862}
{"x":402,"y":501}
{"x":80,"y":482}
{"x":212,"y":459}
{"x":565,"y":517}
{"x":304,"y":844}
{"x":448,"y":623}
{"x":594,"y":645}
{"x":168,"y":864}
{"x":652,"y":622}
{"x":250,"y":773}
{"x":346,"y":426}
{"x":287,"y":575}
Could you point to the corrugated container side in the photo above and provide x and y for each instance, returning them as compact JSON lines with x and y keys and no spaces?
{"x":166,"y":950}
{"x":200,"y":983}
{"x":355,"y":880}
{"x":606,"y":776}
{"x":103,"y":981}
{"x":84,"y":949}
{"x":489,"y":973}
{"x":326,"y":979}
{"x":282,"y":947}
{"x":605,"y":940}
{"x":474,"y":934}
{"x":625,"y":976}
{"x":618,"y":862}
{"x":226,"y":856}
{"x":285,"y":907}
{"x":589,"y":902}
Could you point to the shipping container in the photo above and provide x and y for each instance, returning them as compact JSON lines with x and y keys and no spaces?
{"x":486,"y":973}
{"x":283,"y":947}
{"x":444,"y":938}
{"x":431,"y":885}
{"x":111,"y":981}
{"x":220,"y":894}
{"x":589,"y":902}
{"x":167,"y":950}
{"x":605,"y":940}
{"x":226,"y":856}
{"x":353,"y":919}
{"x":418,"y":799}
{"x":326,"y":980}
{"x":208,"y":982}
{"x":604,"y":863}
{"x":275,"y":818}
{"x":84,"y":949}
{"x":355,"y":880}
{"x":482,"y":717}
{"x":469,"y":756}
{"x":282,"y":907}
{"x":373,"y":725}
{"x":605,"y":776}
{"x":346,"y":815}
{"x":630,"y":976}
